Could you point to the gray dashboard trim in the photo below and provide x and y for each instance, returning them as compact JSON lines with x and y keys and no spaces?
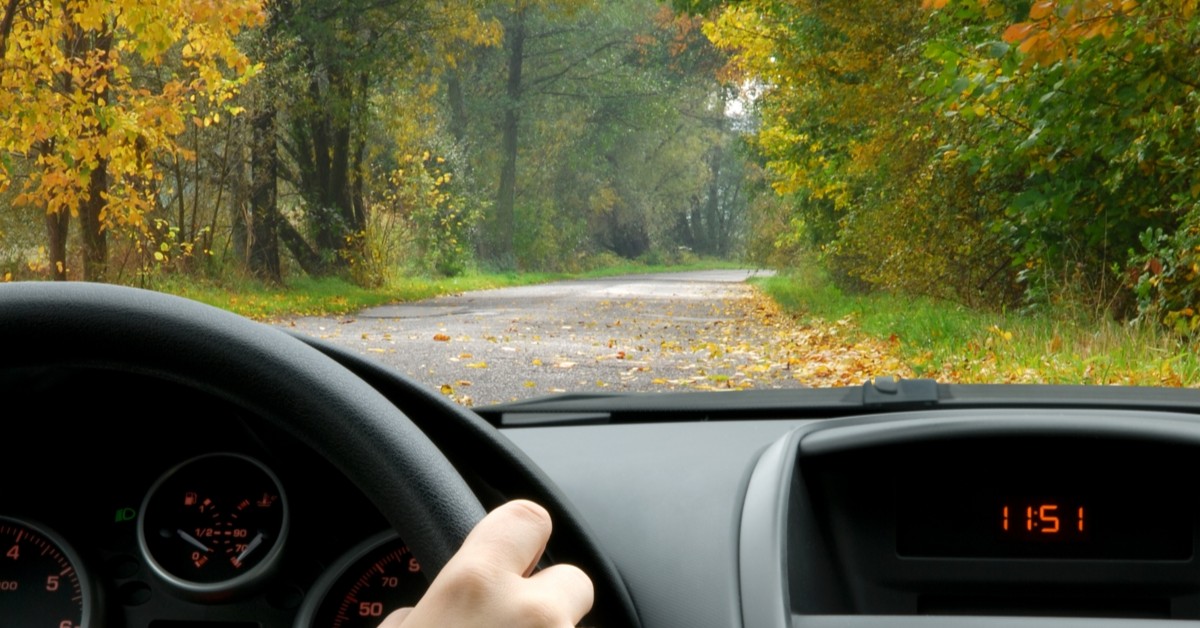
{"x":666,"y":503}
{"x":763,"y":553}
{"x":847,"y":434}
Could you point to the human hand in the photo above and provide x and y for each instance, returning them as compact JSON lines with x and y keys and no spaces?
{"x":490,"y":581}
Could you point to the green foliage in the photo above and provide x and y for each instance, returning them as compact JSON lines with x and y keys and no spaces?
{"x":1082,"y":119}
{"x":856,"y":155}
{"x":441,"y":220}
{"x":548,"y":240}
{"x":983,"y":150}
{"x":954,"y":343}
{"x":1165,"y":274}
{"x":416,"y":220}
{"x":620,"y":112}
{"x":162,"y":249}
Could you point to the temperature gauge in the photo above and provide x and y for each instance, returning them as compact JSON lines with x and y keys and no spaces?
{"x":214,"y":525}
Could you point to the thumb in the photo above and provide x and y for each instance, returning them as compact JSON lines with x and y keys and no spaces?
{"x":396,"y":619}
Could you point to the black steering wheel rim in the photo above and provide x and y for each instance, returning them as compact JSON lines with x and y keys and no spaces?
{"x":263,"y":370}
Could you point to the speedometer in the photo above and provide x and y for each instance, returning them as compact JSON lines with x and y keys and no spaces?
{"x":368,"y":582}
{"x":41,"y":585}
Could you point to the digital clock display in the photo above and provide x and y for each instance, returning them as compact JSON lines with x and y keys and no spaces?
{"x":1037,"y":518}
{"x":1060,"y":521}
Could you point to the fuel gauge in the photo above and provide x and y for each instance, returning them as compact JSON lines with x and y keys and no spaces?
{"x":214,"y":525}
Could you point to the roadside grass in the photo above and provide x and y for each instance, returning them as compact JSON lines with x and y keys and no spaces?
{"x":331,"y":296}
{"x":953,"y":343}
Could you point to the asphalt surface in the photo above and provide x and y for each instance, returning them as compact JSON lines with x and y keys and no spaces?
{"x":629,"y":333}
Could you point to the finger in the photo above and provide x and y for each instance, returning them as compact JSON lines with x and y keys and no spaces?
{"x":568,"y":587}
{"x":395,"y":619}
{"x":512,"y":537}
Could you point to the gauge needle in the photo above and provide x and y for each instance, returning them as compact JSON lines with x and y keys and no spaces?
{"x":253,"y":545}
{"x":192,"y":540}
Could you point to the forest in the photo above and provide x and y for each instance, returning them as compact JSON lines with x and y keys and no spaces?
{"x":1005,"y":154}
{"x":152,"y":139}
{"x":996,"y":153}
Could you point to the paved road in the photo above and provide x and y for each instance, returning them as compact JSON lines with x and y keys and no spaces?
{"x":632,"y":333}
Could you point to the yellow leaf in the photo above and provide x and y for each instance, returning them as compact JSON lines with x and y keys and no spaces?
{"x":1017,"y":32}
{"x":537,"y":362}
{"x":530,"y":384}
{"x":477,"y":365}
{"x":441,"y":338}
{"x":447,"y":389}
{"x":1041,"y":10}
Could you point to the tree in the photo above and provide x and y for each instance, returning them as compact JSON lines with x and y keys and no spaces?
{"x":609,"y":113}
{"x":84,"y":111}
{"x":335,"y":60}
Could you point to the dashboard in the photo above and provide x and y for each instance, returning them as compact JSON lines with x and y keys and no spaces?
{"x":148,"y":509}
{"x":1004,"y":506}
{"x":162,"y":502}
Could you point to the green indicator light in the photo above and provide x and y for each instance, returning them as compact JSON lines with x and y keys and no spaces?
{"x":126,"y":514}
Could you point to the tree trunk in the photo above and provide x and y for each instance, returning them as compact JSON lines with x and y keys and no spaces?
{"x":458,"y":107}
{"x":321,"y":211}
{"x":56,"y":229}
{"x":696,"y":227}
{"x":356,"y":199}
{"x":6,"y":24}
{"x":310,"y":261}
{"x":91,"y":224}
{"x":263,"y":258}
{"x":331,"y":194}
{"x":713,"y":205}
{"x":358,"y":191}
{"x":501,"y":249}
{"x":239,"y":233}
{"x":92,"y":211}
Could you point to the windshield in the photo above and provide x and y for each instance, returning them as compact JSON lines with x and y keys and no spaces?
{"x":685,"y":195}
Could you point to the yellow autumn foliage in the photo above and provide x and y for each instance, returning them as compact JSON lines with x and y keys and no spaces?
{"x":109,"y":86}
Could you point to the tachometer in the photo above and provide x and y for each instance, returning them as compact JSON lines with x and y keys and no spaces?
{"x":370,"y":581}
{"x":41,"y":585}
{"x":214,"y":525}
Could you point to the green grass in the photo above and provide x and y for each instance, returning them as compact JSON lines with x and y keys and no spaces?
{"x":954,"y":343}
{"x":333,"y":295}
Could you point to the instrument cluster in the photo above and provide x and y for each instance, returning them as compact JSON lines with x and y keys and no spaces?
{"x":137,"y":525}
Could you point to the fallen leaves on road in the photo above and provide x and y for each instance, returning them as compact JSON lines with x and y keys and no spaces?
{"x":738,"y":343}
{"x":754,"y":344}
{"x":441,"y":338}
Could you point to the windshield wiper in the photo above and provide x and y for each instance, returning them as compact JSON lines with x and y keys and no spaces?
{"x":600,"y":408}
{"x":881,"y":395}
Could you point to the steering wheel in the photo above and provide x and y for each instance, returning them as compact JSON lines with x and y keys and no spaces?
{"x":264,"y":370}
